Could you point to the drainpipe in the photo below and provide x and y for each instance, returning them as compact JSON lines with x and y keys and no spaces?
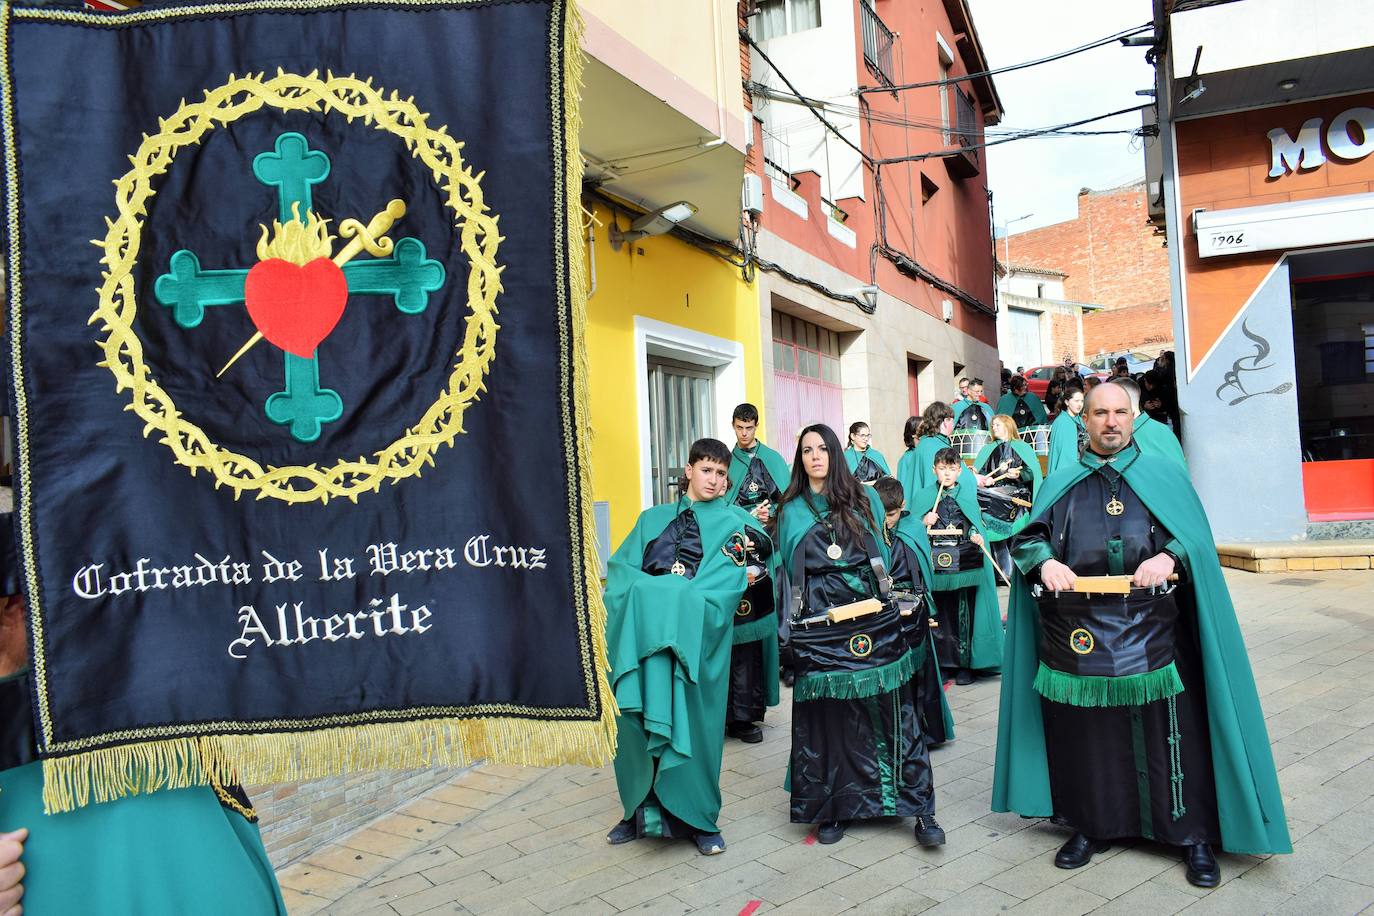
{"x":720,"y":90}
{"x":591,"y":257}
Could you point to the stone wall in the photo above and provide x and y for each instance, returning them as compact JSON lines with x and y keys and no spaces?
{"x":299,"y":817}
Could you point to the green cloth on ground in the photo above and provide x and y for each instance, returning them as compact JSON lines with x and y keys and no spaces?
{"x":986,"y":637}
{"x":1030,"y":473}
{"x":853,"y":456}
{"x":172,"y":852}
{"x":1249,"y":805}
{"x":1063,"y":442}
{"x":669,"y":641}
{"x":740,"y":460}
{"x":1154,"y":438}
{"x":916,"y":469}
{"x":1007,"y":405}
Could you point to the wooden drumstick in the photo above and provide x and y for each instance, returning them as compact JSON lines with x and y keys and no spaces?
{"x":988,"y":554}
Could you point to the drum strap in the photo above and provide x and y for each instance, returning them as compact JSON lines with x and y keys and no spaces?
{"x":796,"y":605}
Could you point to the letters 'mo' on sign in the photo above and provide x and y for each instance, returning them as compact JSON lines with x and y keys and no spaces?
{"x":1349,"y":137}
{"x":281,"y":512}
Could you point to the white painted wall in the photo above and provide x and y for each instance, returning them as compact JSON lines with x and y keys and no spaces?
{"x":1026,"y":284}
{"x":822,"y":63}
{"x":1256,"y":32}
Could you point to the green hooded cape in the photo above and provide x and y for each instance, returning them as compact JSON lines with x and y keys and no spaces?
{"x":1007,"y":405}
{"x":1063,"y":441}
{"x":916,"y":469}
{"x":986,"y":639}
{"x":961,"y":406}
{"x":1249,"y":806}
{"x":913,"y":534}
{"x":1030,"y":463}
{"x":853,"y":456}
{"x":1154,"y":438}
{"x":669,"y":641}
{"x":739,"y":466}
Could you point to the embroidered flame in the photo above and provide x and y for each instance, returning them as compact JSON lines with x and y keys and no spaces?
{"x":297,"y":242}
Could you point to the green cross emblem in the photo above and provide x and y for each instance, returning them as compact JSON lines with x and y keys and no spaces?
{"x":296,"y":299}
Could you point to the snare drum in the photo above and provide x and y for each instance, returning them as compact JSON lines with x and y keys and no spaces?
{"x":1038,"y":438}
{"x":969,"y":442}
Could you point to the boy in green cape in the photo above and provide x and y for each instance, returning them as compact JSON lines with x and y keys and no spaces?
{"x":672,"y":592}
{"x":1022,"y":406}
{"x":1135,"y":715}
{"x":969,"y":633}
{"x":911,"y":575}
{"x":758,"y":475}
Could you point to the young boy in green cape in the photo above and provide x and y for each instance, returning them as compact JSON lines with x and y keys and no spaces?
{"x":176,"y":851}
{"x":758,"y":476}
{"x":1022,"y":406}
{"x":911,"y":575}
{"x":969,"y":636}
{"x":672,"y":591}
{"x":1131,"y":715}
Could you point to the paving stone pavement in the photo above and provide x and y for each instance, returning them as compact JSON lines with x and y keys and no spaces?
{"x":511,"y":840}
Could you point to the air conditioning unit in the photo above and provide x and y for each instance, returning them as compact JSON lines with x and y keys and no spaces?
{"x":752,"y":198}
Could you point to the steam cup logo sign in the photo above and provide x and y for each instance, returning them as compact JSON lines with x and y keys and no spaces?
{"x":300,"y":286}
{"x":1081,"y":641}
{"x":861,"y":645}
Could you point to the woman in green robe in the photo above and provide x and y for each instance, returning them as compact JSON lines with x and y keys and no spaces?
{"x":1066,"y":432}
{"x":924,"y":437}
{"x":865,"y":462}
{"x":857,"y":747}
{"x":1004,"y":454}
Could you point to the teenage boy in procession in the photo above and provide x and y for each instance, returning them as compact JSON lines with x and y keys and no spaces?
{"x":672,"y":591}
{"x":758,"y":475}
{"x":1131,"y":715}
{"x":911,"y":575}
{"x":968,"y":636}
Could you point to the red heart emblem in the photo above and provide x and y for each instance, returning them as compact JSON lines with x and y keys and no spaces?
{"x":296,"y":306}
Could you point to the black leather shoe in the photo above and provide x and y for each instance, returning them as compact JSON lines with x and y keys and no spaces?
{"x":789,"y":677}
{"x":831,"y":832}
{"x":623,"y":832}
{"x":964,"y":677}
{"x":1203,"y":870}
{"x":747,"y":732}
{"x":1078,"y":851}
{"x":928,"y":831}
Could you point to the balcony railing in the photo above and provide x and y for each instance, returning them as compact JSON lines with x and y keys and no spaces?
{"x":966,"y":135}
{"x":877,"y":43}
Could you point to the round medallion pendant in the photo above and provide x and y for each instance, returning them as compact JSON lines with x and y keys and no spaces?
{"x":834,"y":551}
{"x":1115,"y":507}
{"x":678,"y":569}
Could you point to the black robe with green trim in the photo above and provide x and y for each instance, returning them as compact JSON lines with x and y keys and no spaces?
{"x":981,"y":418}
{"x":1025,"y":485}
{"x":1120,"y":755}
{"x":969,"y":634}
{"x":910,"y":551}
{"x":756,"y":476}
{"x":867,"y":465}
{"x":858,"y":751}
{"x":669,"y":639}
{"x":1027,"y":410}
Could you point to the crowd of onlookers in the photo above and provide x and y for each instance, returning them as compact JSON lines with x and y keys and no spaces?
{"x":1158,"y":386}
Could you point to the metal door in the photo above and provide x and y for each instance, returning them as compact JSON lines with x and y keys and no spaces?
{"x":1025,"y":338}
{"x":681,"y":397}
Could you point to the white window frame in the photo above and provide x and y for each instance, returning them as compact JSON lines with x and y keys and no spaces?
{"x":945,"y":58}
{"x":723,"y":356}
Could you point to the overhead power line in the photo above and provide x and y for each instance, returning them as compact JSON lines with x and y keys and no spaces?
{"x":1125,"y":33}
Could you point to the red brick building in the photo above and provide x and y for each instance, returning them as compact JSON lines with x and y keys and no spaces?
{"x":1112,"y":258}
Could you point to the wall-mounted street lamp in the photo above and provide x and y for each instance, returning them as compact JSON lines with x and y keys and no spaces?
{"x":655,"y":222}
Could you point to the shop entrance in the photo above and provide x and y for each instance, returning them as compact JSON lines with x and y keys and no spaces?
{"x":1333,"y":341}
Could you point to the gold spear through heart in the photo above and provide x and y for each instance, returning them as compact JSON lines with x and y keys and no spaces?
{"x":370,"y":237}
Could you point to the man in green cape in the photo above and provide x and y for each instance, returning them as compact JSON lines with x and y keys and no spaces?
{"x":758,"y":476}
{"x":1022,"y":406}
{"x":982,"y":413}
{"x":1134,"y":715}
{"x":1153,"y":437}
{"x":193,"y":850}
{"x":969,"y":632}
{"x":672,"y":591}
{"x":911,"y":573}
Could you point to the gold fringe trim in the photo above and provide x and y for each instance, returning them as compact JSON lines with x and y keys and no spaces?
{"x":573,"y":62}
{"x":74,"y":781}
{"x":94,"y":777}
